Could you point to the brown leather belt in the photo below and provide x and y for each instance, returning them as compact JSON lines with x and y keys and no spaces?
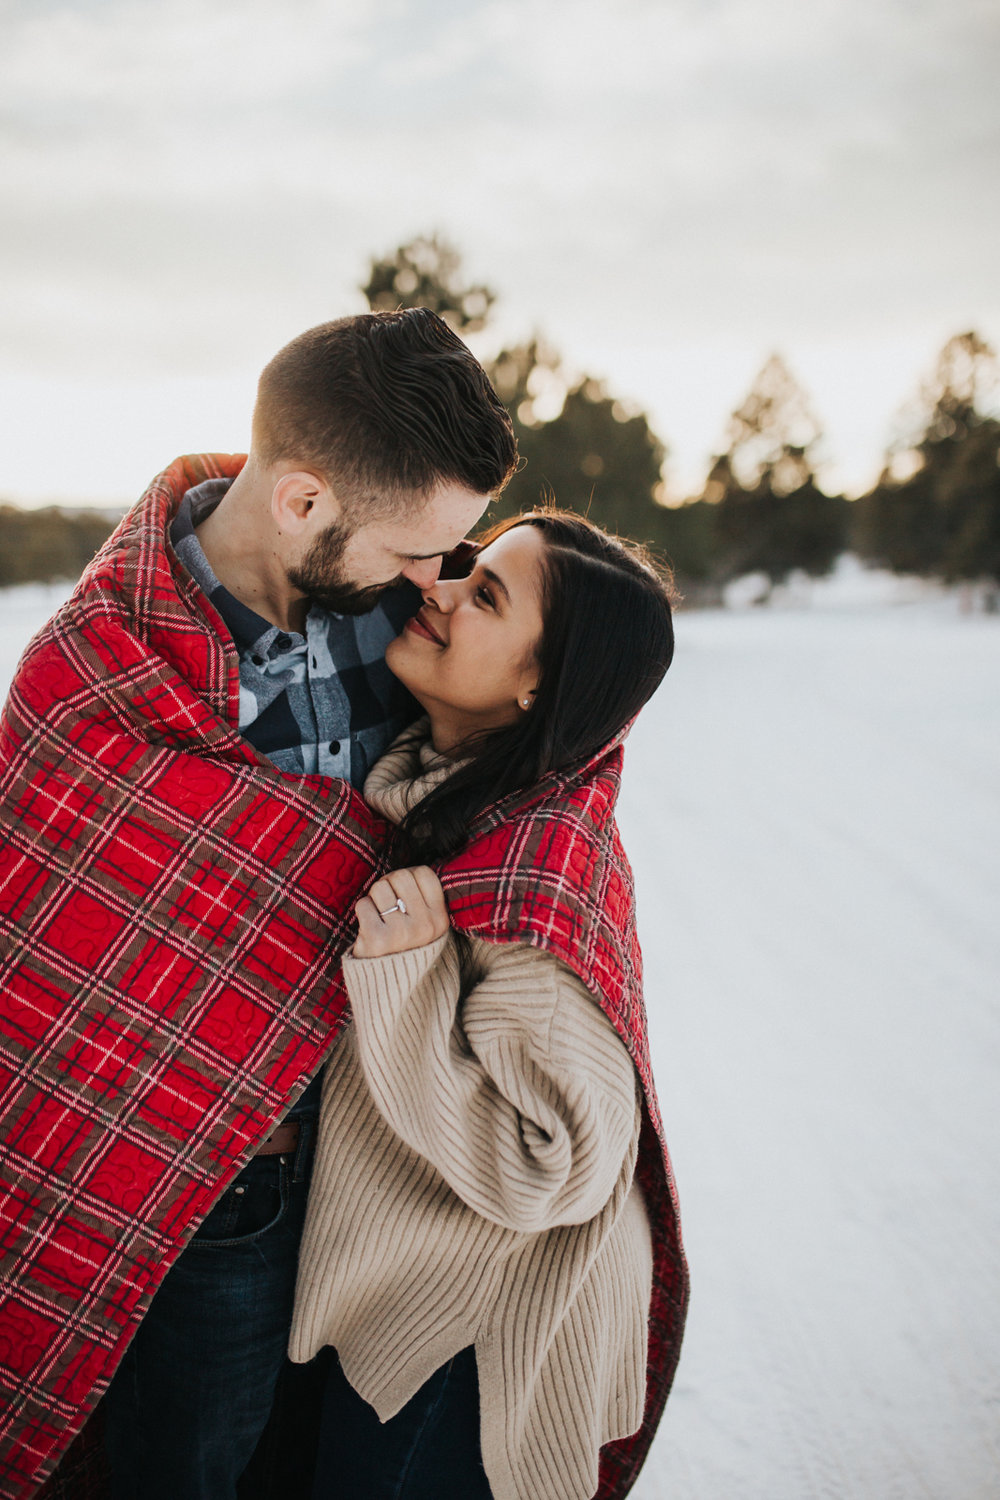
{"x":284,"y":1137}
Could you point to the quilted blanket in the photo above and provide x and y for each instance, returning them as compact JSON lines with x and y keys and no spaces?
{"x":172,"y":909}
{"x":547,"y":867}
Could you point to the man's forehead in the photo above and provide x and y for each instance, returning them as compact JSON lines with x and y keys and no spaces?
{"x":443,"y":517}
{"x":449,"y":499}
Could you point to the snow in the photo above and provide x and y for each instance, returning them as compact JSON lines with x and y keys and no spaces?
{"x":852,"y":586}
{"x":23,"y":611}
{"x":812,"y":806}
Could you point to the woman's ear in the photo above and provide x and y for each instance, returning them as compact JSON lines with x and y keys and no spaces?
{"x":524,"y":698}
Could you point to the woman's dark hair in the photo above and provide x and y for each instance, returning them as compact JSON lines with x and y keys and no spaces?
{"x":607,"y":639}
{"x":385,"y":405}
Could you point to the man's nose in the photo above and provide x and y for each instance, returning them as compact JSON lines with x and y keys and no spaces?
{"x":424,"y":573}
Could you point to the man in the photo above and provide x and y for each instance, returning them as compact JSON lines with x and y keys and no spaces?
{"x":176,"y":885}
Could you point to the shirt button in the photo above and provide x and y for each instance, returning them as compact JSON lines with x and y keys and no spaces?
{"x":258,"y":661}
{"x":283,"y":642}
{"x":334,"y":747}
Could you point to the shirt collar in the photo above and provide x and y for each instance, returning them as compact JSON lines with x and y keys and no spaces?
{"x":247,"y":628}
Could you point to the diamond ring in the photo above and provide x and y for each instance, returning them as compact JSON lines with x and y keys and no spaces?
{"x":390,"y":909}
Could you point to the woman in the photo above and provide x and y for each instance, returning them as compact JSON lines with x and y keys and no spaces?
{"x":504,"y":1289}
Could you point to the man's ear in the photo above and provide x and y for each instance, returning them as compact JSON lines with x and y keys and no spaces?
{"x":303,"y":502}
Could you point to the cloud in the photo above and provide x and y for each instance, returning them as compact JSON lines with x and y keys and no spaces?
{"x":184,"y":184}
{"x":209,"y":55}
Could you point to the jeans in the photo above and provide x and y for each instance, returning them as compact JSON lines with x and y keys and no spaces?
{"x":428,"y":1451}
{"x":193,"y":1392}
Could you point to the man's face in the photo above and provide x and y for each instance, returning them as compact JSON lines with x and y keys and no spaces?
{"x":348,"y":567}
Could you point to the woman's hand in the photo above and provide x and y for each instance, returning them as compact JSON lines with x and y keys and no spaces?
{"x":405,"y":909}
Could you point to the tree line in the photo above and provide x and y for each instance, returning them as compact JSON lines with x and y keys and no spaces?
{"x":40,"y":546}
{"x":934,"y":510}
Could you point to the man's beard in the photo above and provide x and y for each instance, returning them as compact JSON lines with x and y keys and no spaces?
{"x":320,"y":576}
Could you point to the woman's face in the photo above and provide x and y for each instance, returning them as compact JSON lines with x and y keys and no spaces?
{"x":468,"y":654}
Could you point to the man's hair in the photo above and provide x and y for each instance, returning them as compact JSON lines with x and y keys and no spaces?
{"x":384,"y":405}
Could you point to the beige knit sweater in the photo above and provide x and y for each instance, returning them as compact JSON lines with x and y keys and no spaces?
{"x":473,"y":1185}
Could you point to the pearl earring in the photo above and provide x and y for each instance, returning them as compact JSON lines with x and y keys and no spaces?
{"x":524,"y":702}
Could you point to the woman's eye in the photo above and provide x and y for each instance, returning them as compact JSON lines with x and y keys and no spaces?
{"x":485,"y":595}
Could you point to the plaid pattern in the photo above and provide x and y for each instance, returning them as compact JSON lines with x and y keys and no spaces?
{"x":320,"y":702}
{"x":547,"y":867}
{"x":171,"y":912}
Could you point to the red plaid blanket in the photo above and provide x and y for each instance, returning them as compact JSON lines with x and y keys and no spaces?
{"x":547,"y":867}
{"x":171,"y":912}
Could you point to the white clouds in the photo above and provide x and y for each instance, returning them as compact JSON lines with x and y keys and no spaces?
{"x":170,"y":99}
{"x":130,"y":55}
{"x":184,"y":183}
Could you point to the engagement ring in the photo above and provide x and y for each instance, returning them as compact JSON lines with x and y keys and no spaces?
{"x":390,"y":909}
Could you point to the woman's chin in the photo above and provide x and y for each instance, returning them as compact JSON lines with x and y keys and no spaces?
{"x":395,"y":657}
{"x":398,"y":660}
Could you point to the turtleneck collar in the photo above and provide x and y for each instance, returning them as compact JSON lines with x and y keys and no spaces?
{"x":406,"y":772}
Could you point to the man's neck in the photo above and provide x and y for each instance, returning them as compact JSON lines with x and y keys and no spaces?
{"x":237,"y":538}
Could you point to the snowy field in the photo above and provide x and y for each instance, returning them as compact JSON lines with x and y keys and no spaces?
{"x":812,"y":805}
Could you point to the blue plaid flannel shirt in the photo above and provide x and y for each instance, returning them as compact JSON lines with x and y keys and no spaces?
{"x":324,"y":701}
{"x":321,"y":701}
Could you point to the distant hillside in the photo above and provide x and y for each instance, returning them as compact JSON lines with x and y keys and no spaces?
{"x":40,"y":546}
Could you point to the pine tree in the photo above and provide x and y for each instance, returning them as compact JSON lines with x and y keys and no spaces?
{"x":427,"y":272}
{"x":936,"y":507}
{"x":770,"y":514}
{"x":580,"y":445}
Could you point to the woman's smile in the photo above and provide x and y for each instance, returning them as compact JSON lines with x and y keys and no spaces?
{"x":485,"y":628}
{"x":419,"y":625}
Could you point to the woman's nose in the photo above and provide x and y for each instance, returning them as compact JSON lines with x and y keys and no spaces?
{"x":442,"y":594}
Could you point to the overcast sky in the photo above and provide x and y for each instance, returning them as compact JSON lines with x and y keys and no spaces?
{"x":668,"y":189}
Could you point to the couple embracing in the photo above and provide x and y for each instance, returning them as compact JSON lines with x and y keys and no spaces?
{"x":322,"y":1025}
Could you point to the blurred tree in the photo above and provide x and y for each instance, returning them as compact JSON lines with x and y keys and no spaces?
{"x":687,"y":538}
{"x":427,"y":273}
{"x":596,"y":457}
{"x":769,"y":514}
{"x":936,"y":507}
{"x":39,"y":546}
{"x":530,"y":382}
{"x":579,"y":444}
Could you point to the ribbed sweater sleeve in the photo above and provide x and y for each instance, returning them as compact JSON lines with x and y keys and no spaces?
{"x":516,"y":1089}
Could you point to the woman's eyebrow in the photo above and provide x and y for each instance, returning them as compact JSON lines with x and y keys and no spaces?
{"x":495,"y":578}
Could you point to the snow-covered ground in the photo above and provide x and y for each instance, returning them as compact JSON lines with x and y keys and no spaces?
{"x":22,"y":611}
{"x":812,"y":805}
